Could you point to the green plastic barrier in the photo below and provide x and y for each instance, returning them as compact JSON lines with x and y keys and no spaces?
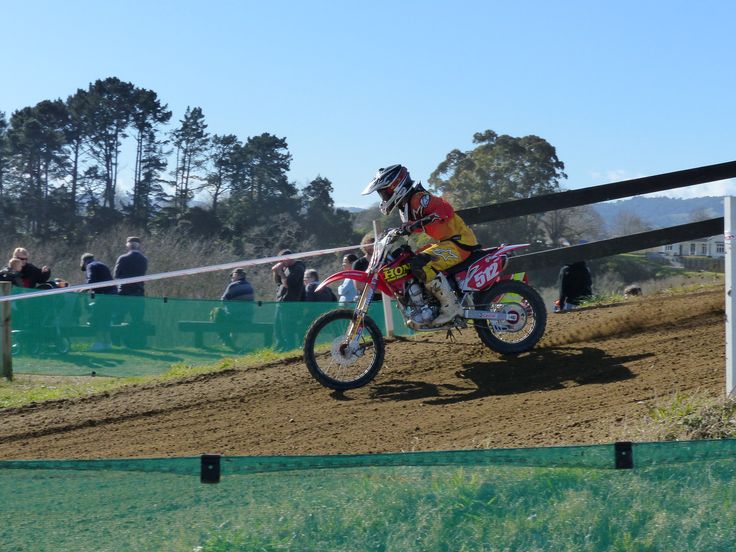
{"x":678,"y":496}
{"x":110,"y":335}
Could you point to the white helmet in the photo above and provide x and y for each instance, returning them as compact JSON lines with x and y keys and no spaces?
{"x":393,"y":184}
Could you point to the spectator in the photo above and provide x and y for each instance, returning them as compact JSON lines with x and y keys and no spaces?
{"x":347,"y":290}
{"x":575,"y":286}
{"x":12,"y":272}
{"x":238,"y":293}
{"x":129,"y":265}
{"x":239,"y":288}
{"x":289,"y":275}
{"x":101,"y":308}
{"x":311,"y":281}
{"x":31,"y":275}
{"x":366,"y":246}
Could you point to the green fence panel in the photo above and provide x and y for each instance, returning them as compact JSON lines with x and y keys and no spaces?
{"x":110,"y":335}
{"x":564,"y":498}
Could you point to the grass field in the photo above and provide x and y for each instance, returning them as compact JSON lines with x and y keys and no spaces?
{"x":403,"y":508}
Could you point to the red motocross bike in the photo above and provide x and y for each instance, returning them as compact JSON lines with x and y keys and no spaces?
{"x":344,"y":348}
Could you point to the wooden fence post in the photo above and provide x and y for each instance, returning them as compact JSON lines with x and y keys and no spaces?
{"x":5,"y":343}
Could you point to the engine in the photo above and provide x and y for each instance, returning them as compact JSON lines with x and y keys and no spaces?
{"x":418,"y":307}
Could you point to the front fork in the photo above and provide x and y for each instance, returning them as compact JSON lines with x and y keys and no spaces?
{"x":355,"y":329}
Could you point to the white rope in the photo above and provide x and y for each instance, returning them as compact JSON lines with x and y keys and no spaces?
{"x":175,"y":273}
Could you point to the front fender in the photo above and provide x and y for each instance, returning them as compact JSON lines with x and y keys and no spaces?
{"x":357,"y":275}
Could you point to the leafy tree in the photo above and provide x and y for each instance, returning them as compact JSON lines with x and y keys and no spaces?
{"x":76,"y":132}
{"x":279,"y":232}
{"x":267,"y":160}
{"x":329,"y":226}
{"x":200,"y":223}
{"x":498,"y":169}
{"x":59,"y":176}
{"x":191,"y":141}
{"x":226,"y":159}
{"x":628,"y":223}
{"x":261,"y":190}
{"x":150,"y":158}
{"x":111,"y":106}
{"x":36,"y":140}
{"x":573,"y":224}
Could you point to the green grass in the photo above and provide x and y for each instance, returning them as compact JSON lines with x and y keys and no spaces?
{"x":692,"y":416}
{"x":667,"y":507}
{"x":25,"y":389}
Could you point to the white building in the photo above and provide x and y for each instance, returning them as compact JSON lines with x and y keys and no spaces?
{"x":705,"y":247}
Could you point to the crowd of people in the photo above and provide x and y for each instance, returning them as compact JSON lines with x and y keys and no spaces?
{"x":20,"y":272}
{"x":294,"y":283}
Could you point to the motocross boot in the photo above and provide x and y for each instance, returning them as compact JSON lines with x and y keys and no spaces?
{"x":449,"y":307}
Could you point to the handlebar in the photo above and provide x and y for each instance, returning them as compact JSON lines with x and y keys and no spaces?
{"x":410,"y":228}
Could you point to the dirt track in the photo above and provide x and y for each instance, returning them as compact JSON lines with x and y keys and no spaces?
{"x":592,"y":376}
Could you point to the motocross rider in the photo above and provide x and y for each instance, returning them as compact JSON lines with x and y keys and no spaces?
{"x":421,"y":211}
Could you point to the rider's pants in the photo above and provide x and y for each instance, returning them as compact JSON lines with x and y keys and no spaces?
{"x":437,"y":257}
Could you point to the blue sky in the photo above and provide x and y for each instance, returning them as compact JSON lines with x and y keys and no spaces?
{"x":622,"y":89}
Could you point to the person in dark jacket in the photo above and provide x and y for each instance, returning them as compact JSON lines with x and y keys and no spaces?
{"x":31,"y":275}
{"x":311,"y":281}
{"x":238,"y":294}
{"x":239,"y":288}
{"x":237,"y":311}
{"x":12,"y":272}
{"x":289,"y":276}
{"x":575,"y":286}
{"x":129,"y":265}
{"x":101,"y":308}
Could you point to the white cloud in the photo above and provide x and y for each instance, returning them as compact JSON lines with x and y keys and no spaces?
{"x":615,"y":175}
{"x":718,"y":188}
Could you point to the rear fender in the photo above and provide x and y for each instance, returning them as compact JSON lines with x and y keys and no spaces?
{"x":489,"y":269}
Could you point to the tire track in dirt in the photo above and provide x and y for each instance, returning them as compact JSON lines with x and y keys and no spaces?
{"x":647,"y":315}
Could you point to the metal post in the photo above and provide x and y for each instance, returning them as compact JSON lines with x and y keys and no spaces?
{"x":729,"y":217}
{"x":5,"y":343}
{"x":388,"y":314}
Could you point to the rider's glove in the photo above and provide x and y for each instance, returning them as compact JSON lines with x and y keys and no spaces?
{"x":407,"y":228}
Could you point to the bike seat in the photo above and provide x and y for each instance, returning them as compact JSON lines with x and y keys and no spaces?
{"x":474,"y":256}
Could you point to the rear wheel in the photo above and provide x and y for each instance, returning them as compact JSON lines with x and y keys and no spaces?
{"x":526,"y":317}
{"x":338,"y":365}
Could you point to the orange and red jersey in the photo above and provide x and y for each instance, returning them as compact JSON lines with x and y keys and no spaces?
{"x":449,"y":227}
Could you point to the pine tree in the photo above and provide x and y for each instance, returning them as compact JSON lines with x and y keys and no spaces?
{"x":191,"y":142}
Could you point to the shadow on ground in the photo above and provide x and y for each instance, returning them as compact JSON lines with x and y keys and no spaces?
{"x":539,"y":370}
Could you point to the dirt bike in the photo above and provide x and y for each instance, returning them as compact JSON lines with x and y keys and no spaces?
{"x":344,"y":349}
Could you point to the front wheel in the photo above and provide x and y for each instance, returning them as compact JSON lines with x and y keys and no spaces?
{"x":525,"y":317}
{"x":338,"y":365}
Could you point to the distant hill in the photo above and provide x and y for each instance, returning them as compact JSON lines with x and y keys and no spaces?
{"x":660,"y":212}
